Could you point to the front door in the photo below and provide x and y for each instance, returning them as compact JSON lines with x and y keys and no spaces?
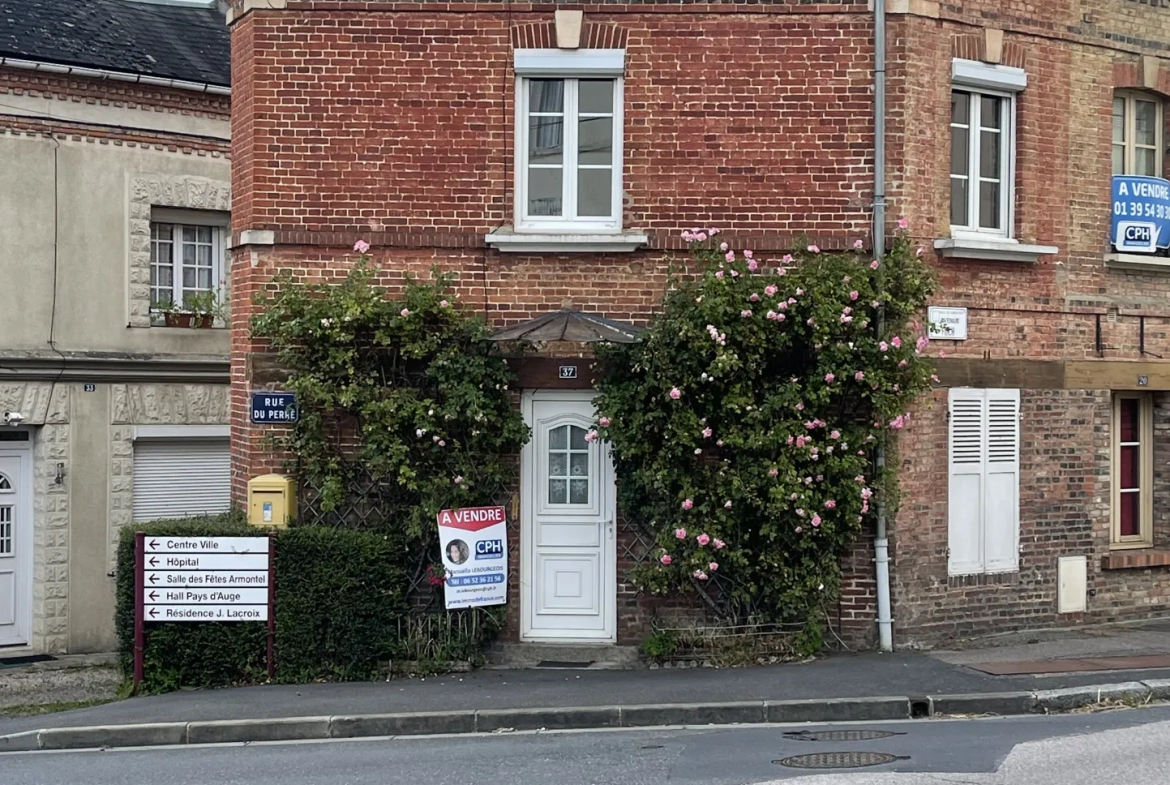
{"x":568,"y":571}
{"x":15,"y":547}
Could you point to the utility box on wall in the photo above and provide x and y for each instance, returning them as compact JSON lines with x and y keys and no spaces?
{"x":272,"y":500}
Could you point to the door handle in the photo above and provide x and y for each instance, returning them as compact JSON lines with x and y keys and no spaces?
{"x":609,"y":527}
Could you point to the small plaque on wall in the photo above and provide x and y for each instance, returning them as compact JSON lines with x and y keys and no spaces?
{"x":568,"y":372}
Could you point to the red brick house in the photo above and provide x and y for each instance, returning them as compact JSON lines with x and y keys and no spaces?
{"x":551,"y":157}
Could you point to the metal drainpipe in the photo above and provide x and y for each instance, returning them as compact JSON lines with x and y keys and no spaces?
{"x":881,"y":544}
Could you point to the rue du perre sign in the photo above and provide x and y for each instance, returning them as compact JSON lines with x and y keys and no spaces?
{"x":1141,"y":214}
{"x":206,"y":579}
{"x":475,"y":556}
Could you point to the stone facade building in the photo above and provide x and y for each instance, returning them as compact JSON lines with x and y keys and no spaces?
{"x":115,"y":191}
{"x":551,"y":158}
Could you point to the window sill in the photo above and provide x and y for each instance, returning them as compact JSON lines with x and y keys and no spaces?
{"x":509,"y":241}
{"x":994,"y":250}
{"x":1137,"y":261}
{"x":1135,"y":560}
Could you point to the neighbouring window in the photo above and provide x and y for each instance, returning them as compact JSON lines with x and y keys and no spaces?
{"x":1137,"y":134}
{"x":185,"y":260}
{"x":1133,"y":470}
{"x":569,"y":175}
{"x":983,"y":499}
{"x":982,"y":129}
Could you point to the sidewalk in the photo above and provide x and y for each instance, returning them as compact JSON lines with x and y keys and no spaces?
{"x":846,"y":688}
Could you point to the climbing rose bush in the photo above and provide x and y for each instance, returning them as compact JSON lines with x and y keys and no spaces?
{"x":744,"y":425}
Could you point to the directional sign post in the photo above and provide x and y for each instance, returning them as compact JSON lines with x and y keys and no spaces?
{"x":183,"y":579}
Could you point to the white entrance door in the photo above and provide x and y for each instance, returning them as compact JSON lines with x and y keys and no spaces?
{"x":15,"y":547}
{"x":568,"y":571}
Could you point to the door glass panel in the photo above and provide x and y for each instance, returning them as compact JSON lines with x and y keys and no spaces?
{"x":5,"y":484}
{"x":1130,"y":514}
{"x":568,"y":466}
{"x":6,"y":546}
{"x":1129,"y":419}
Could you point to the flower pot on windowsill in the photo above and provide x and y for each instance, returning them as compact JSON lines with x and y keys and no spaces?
{"x":202,"y":321}
{"x":178,"y":319}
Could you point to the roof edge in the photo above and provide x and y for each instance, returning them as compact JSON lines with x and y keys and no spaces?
{"x":118,"y":76}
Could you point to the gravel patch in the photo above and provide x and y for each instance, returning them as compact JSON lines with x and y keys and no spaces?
{"x":32,"y":685}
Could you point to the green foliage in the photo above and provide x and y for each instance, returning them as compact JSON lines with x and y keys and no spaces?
{"x":339,"y":597}
{"x":660,"y":645}
{"x":406,"y":392}
{"x":433,"y":641}
{"x":744,"y":425}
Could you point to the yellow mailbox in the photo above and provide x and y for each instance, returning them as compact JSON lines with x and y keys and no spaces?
{"x":272,"y":500}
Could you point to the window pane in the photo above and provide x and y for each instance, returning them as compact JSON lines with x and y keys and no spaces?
{"x":557,"y":491}
{"x":595,"y":140}
{"x":1131,"y":514}
{"x":958,"y":201}
{"x":545,"y":140}
{"x":544,"y":192}
{"x":594,"y":192}
{"x":1128,"y":427}
{"x":1145,"y":161}
{"x":558,"y":438}
{"x":595,"y":96}
{"x":577,"y":438}
{"x":189,"y":277}
{"x":1128,"y":477}
{"x":989,"y":112}
{"x":989,"y":154}
{"x":579,"y":464}
{"x":960,"y":108}
{"x":1118,"y":159}
{"x":1119,"y":120}
{"x":188,"y":250}
{"x":1145,"y":122}
{"x":556,"y":464}
{"x":960,"y":155}
{"x":161,"y":232}
{"x":546,"y":95}
{"x":989,"y":205}
{"x":578,"y":491}
{"x":204,"y":279}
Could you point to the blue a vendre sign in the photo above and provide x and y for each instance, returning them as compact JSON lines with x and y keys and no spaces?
{"x":1141,"y":214}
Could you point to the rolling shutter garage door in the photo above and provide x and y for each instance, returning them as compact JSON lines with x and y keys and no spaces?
{"x":174,"y":478}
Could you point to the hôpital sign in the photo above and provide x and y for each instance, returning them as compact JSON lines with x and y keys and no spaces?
{"x":475,"y":555}
{"x":190,"y":579}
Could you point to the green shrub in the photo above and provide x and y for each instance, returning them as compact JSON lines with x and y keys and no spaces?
{"x":339,"y":596}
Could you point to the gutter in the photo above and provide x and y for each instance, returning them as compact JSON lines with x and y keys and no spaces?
{"x":117,"y":76}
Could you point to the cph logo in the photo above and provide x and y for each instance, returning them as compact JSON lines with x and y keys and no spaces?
{"x":1137,"y":236}
{"x":489,"y":549}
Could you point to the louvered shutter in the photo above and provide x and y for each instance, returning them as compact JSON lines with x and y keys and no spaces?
{"x":1001,"y":488}
{"x":967,"y":470}
{"x":175,"y":478}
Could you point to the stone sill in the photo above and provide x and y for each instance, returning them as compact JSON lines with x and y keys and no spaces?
{"x":1135,"y":560}
{"x":509,"y":241}
{"x":1137,"y":261}
{"x":992,"y":249}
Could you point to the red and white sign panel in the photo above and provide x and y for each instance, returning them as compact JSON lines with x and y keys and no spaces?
{"x":474,"y":542}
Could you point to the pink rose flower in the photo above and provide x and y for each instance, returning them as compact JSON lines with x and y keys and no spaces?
{"x":698,"y":451}
{"x":680,"y":534}
{"x":829,"y":378}
{"x":727,"y":504}
{"x":745,"y":313}
{"x":718,"y":543}
{"x":885,"y":347}
{"x":442,"y":443}
{"x":799,"y":529}
{"x":773,"y":472}
{"x":835,"y":435}
{"x":719,"y":274}
{"x":730,"y":256}
{"x":831,"y":504}
{"x":361,"y":246}
{"x":703,"y":539}
{"x":591,"y":436}
{"x":920,"y":251}
{"x":604,"y":422}
{"x":854,"y":295}
{"x":770,"y":289}
{"x":404,"y":312}
{"x":700,"y":575}
{"x":753,"y":265}
{"x":858,"y":244}
{"x":903,"y":223}
{"x":675,"y":393}
{"x":816,"y":520}
{"x":713,"y":566}
{"x":921,"y":343}
{"x":701,"y":236}
{"x":444,"y":304}
{"x":814,"y":249}
{"x":859,"y":376}
{"x":707,"y":433}
{"x":800,"y":407}
{"x":666,"y":559}
{"x":747,"y":254}
{"x":787,"y":258}
{"x":873,"y":265}
{"x":686,"y":505}
{"x":896,"y":342}
{"x":755,"y":298}
{"x":723,"y":247}
{"x":934,"y":378}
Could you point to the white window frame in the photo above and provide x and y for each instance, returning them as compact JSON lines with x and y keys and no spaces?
{"x":993,"y":81}
{"x":1129,"y":144}
{"x":571,"y":66}
{"x":178,"y":219}
{"x":1145,"y":536}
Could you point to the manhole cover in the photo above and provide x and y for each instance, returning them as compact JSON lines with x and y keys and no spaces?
{"x":840,"y":735}
{"x":839,"y":760}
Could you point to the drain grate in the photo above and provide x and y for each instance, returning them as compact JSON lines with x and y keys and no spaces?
{"x":839,"y":760}
{"x":840,"y":735}
{"x":564,"y":664}
{"x":12,"y":662}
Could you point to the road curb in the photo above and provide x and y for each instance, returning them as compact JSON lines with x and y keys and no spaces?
{"x":836,"y":710}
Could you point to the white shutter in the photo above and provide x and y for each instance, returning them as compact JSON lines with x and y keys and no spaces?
{"x":176,"y":478}
{"x":1001,"y":488}
{"x":965,"y":459}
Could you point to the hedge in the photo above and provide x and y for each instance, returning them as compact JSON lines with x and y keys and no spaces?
{"x":339,"y":597}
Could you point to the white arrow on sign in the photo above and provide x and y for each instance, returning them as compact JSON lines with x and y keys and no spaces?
{"x":207,"y":561}
{"x":205,"y":596}
{"x":207,"y":579}
{"x":206,"y":612}
{"x":207,"y":545}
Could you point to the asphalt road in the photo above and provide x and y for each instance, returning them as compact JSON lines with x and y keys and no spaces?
{"x":1125,"y":746}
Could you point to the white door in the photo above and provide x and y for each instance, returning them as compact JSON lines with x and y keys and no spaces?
{"x":15,"y":547}
{"x":568,"y":571}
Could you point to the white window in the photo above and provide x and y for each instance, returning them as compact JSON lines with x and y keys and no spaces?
{"x":180,"y":477}
{"x":1133,"y":470}
{"x":569,"y":141}
{"x":983,"y":498}
{"x":186,"y":259}
{"x":1137,"y":134}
